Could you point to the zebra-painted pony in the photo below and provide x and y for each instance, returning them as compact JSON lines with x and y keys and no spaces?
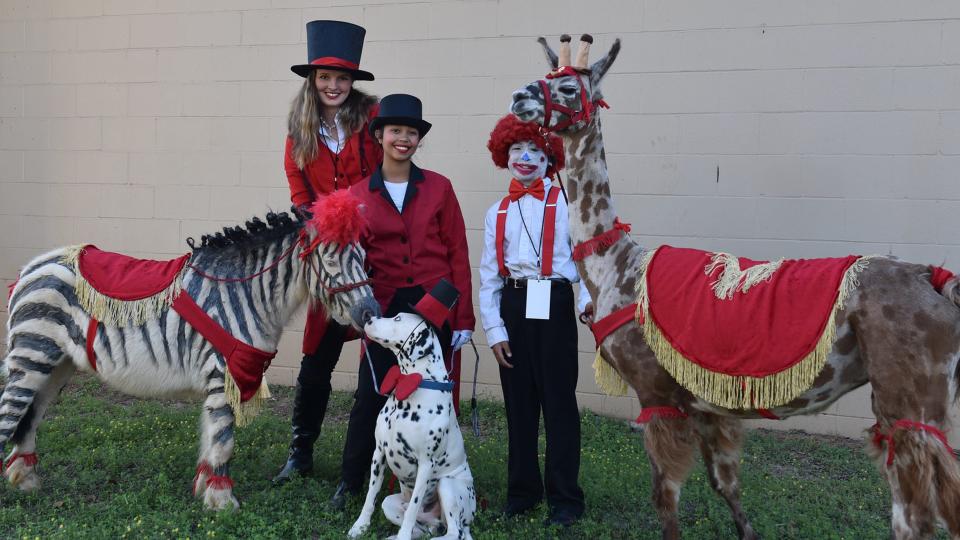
{"x":248,"y":281}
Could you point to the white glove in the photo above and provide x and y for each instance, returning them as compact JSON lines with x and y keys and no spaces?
{"x":460,"y":338}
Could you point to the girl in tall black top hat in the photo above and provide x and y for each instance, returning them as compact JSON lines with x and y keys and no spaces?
{"x":328,"y":147}
{"x":415,"y":238}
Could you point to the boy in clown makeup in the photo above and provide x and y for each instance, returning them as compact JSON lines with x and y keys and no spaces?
{"x":527,"y":310}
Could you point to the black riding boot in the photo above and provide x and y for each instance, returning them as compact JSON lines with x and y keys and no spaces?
{"x":309,"y":406}
{"x":310,"y":401}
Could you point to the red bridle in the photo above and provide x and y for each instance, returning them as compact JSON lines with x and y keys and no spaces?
{"x":307,"y":249}
{"x":587,"y":107}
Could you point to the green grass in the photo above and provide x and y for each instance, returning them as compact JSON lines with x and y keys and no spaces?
{"x":114,"y":467}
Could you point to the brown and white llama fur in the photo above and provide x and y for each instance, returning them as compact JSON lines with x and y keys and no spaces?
{"x":895,"y":332}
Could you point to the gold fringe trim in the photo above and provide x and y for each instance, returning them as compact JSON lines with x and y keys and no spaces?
{"x":608,"y":379}
{"x":740,"y":392}
{"x":733,"y":278}
{"x":71,"y":254}
{"x":244,"y":411}
{"x":642,"y":296}
{"x":114,"y":312}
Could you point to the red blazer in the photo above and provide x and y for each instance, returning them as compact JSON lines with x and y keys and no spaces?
{"x":348,"y":169}
{"x":328,"y":172}
{"x":421,"y":245}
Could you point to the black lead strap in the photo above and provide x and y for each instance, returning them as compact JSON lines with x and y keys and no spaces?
{"x":373,"y":376}
{"x":474,"y":413}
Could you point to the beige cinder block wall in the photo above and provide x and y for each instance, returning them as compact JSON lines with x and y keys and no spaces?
{"x":768,"y":129}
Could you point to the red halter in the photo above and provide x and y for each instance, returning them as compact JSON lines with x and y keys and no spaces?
{"x":587,"y":107}
{"x":319,"y":270}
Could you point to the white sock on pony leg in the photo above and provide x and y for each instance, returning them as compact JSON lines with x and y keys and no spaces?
{"x":20,"y":470}
{"x":219,"y":494}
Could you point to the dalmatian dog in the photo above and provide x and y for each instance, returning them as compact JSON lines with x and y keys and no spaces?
{"x":418,"y":438}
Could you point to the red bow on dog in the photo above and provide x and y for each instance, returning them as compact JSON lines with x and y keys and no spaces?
{"x":404,"y":384}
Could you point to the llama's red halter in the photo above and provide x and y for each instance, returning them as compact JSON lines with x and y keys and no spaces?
{"x":587,"y":107}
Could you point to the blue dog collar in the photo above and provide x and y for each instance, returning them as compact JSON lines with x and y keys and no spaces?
{"x":437,"y":385}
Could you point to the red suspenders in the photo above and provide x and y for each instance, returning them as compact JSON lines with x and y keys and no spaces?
{"x":501,"y":230}
{"x":546,"y":242}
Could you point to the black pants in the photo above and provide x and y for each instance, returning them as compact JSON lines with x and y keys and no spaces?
{"x":358,"y":449}
{"x":313,"y":382}
{"x":543,"y":377}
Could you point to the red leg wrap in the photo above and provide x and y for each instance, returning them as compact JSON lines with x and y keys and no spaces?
{"x":649,"y":413}
{"x":879,"y":436}
{"x":28,"y":459}
{"x":202,"y":468}
{"x":220,"y":482}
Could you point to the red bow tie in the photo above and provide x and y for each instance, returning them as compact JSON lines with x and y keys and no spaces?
{"x":518,"y":190}
{"x":405,"y":384}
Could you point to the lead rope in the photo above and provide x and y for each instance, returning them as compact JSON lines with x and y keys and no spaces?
{"x":474,"y":413}
{"x":373,"y":376}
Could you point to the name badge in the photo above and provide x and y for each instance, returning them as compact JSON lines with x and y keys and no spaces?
{"x":538,"y":298}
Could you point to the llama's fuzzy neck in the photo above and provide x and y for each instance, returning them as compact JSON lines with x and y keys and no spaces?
{"x":591,"y":206}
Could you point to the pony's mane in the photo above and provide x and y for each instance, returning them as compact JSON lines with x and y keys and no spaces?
{"x":256,"y":232}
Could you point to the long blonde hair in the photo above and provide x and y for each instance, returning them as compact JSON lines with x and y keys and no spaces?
{"x":303,"y":122}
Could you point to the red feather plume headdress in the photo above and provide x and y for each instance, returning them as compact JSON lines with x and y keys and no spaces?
{"x":337,"y":218}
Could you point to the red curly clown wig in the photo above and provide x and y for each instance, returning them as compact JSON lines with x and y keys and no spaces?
{"x":337,"y":218}
{"x":510,"y":130}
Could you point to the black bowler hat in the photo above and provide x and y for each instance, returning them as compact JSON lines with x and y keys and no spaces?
{"x":435,"y":306}
{"x":334,"y":45}
{"x":400,"y":110}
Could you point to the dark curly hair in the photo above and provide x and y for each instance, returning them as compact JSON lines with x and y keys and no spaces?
{"x":510,"y":130}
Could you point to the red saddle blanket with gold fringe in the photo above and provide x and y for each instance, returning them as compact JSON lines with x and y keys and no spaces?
{"x":742,"y":333}
{"x":125,"y":278}
{"x":119,"y":290}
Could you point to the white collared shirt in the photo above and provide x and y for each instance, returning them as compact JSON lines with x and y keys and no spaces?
{"x":520,"y":256}
{"x":334,"y":144}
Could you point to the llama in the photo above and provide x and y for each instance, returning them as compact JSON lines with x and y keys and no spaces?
{"x":895,"y":325}
{"x":209,"y":327}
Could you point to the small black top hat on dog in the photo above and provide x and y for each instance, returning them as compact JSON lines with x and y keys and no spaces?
{"x":334,"y":45}
{"x":400,"y":110}
{"x":435,"y":306}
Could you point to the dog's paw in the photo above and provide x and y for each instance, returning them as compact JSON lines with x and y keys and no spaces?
{"x":357,"y":530}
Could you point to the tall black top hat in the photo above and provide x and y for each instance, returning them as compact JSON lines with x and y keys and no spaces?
{"x":401,"y":110}
{"x":435,"y":306}
{"x":334,"y":45}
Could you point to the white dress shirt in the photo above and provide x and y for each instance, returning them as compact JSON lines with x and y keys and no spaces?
{"x":335,"y":144}
{"x":520,"y":256}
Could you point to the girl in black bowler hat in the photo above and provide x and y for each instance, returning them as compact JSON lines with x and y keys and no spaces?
{"x":328,"y":147}
{"x":415,"y":238}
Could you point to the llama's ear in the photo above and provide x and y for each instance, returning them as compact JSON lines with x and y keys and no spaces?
{"x":552,"y":58}
{"x":600,"y":67}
